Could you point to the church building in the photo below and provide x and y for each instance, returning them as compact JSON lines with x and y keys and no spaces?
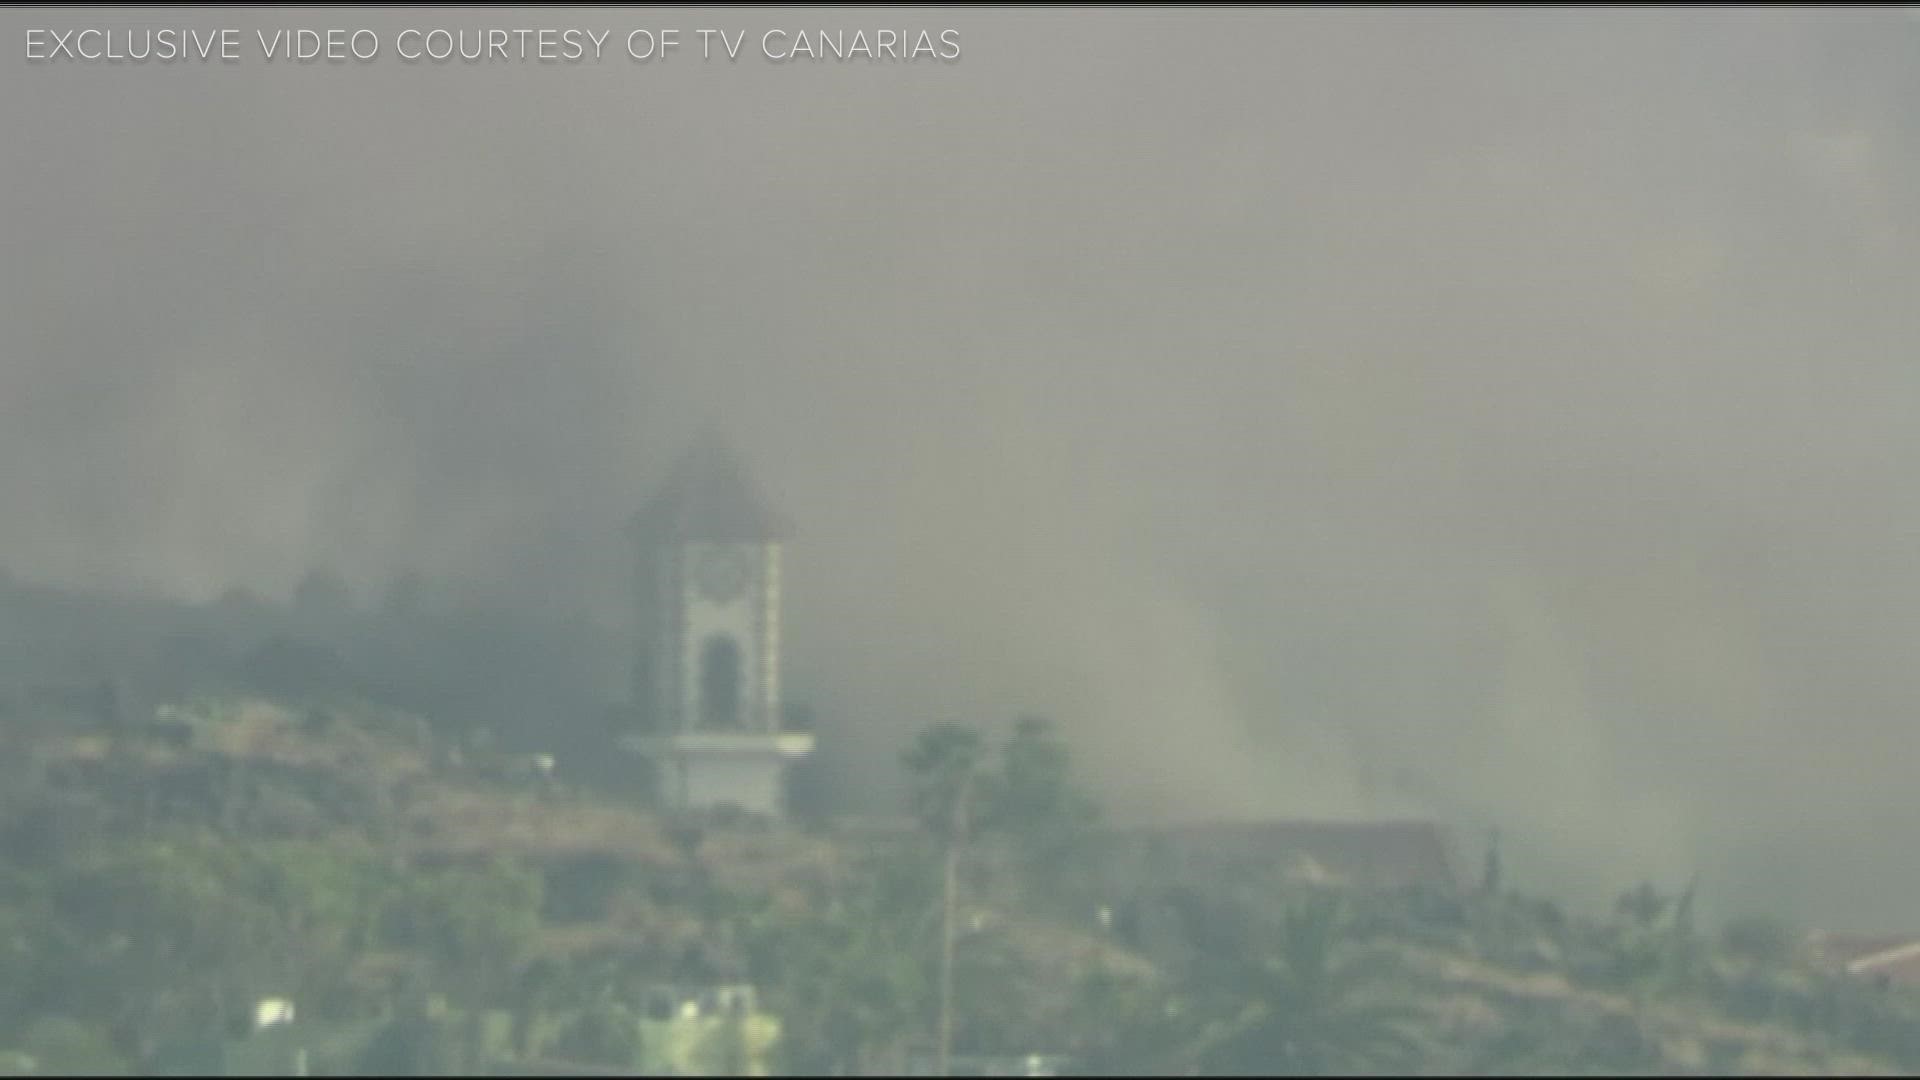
{"x":706,"y":662}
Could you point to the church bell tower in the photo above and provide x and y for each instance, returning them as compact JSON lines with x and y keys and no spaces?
{"x":706,"y":661}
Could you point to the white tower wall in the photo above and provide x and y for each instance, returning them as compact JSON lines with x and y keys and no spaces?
{"x":708,"y":570}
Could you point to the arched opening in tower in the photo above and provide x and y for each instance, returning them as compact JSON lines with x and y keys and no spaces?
{"x":720,"y":683}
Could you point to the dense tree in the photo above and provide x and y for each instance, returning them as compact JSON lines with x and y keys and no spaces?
{"x":323,"y":593}
{"x":1757,"y":939}
{"x":114,"y":944}
{"x":949,"y":784}
{"x":605,"y":1033}
{"x":476,"y":924}
{"x":64,"y":1046}
{"x":1308,"y":1005}
{"x":853,"y":980}
{"x":296,"y":668}
{"x":1049,"y":823}
{"x":419,"y":1040}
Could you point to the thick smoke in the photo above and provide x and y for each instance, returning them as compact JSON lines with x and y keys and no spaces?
{"x":1503,"y":417}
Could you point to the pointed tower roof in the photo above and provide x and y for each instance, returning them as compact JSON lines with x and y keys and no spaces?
{"x":709,"y":495}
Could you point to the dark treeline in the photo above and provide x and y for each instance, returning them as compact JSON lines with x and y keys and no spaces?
{"x":430,"y":648}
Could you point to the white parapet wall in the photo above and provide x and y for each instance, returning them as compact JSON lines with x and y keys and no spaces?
{"x":709,"y":771}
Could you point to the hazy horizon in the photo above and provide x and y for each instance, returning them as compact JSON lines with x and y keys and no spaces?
{"x":1504,"y":417}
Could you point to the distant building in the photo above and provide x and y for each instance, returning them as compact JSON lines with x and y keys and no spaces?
{"x":706,"y":670}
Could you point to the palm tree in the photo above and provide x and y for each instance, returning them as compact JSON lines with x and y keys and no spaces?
{"x":946,"y":762}
{"x":1307,"y":1008}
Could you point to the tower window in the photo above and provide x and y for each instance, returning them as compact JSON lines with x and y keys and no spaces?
{"x":720,"y":683}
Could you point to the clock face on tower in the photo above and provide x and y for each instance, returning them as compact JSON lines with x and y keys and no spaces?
{"x":721,"y":575}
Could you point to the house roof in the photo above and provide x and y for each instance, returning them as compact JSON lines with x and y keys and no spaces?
{"x":1365,"y":854}
{"x":1900,"y":963}
{"x":709,"y":495}
{"x":1895,"y":957}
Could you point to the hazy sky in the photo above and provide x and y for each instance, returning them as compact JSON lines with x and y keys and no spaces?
{"x":1501,"y":415}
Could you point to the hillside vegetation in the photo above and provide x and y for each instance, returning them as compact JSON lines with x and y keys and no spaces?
{"x":432,"y":905}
